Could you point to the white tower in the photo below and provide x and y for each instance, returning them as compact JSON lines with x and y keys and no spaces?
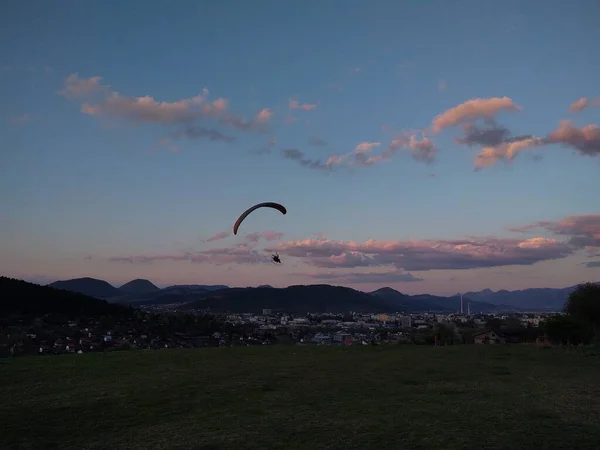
{"x":461,"y":304}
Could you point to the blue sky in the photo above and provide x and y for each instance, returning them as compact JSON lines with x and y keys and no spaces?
{"x":84,"y":190}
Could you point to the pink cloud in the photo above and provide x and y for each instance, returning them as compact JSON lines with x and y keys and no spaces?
{"x":478,"y":108}
{"x":76,"y":87}
{"x":583,"y":103}
{"x":264,"y":115}
{"x":295,"y":105}
{"x":584,"y":230}
{"x":218,"y":236}
{"x":146,"y":109}
{"x":585,"y":140}
{"x":268,"y":236}
{"x":442,"y":85}
{"x":506,"y":151}
{"x":397,"y":258}
{"x":240,"y":254}
{"x":426,"y":254}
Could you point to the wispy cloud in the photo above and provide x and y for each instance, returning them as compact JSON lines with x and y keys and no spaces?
{"x":22,"y":119}
{"x":300,"y":157}
{"x":474,"y":109}
{"x":147,"y":110}
{"x":218,"y":236}
{"x":442,"y":85}
{"x":199,"y":132}
{"x":266,"y":149}
{"x":295,"y":105}
{"x":317,"y":141}
{"x":583,"y":230}
{"x":584,"y":103}
{"x":77,"y":87}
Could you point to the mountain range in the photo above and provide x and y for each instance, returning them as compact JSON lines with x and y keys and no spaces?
{"x":314,"y":298}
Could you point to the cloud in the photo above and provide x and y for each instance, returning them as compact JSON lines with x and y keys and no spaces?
{"x":300,"y":157}
{"x":217,"y":237}
{"x":583,"y":230}
{"x":592,"y":264}
{"x":425,"y":255}
{"x":147,"y":110}
{"x":145,"y":259}
{"x":198,"y":132}
{"x":585,"y":140}
{"x":22,"y":119}
{"x":268,"y":236}
{"x":317,"y":141}
{"x":583,"y":103}
{"x":295,"y":105}
{"x":499,"y":145}
{"x":404,"y":256}
{"x":442,"y":85}
{"x":421,"y":148}
{"x":506,"y":151}
{"x":76,"y":87}
{"x":474,"y":109}
{"x":240,"y":254}
{"x":394,"y":276}
{"x":264,"y":115}
{"x":266,"y":149}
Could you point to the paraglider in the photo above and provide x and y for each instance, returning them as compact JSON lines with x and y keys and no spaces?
{"x":273,"y":205}
{"x":275,"y":258}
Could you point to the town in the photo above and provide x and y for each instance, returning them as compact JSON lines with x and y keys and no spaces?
{"x":163,"y":326}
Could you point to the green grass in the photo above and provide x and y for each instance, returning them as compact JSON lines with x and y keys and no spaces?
{"x":387,"y":397}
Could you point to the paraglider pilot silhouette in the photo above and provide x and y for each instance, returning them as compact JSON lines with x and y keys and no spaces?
{"x":275,"y":258}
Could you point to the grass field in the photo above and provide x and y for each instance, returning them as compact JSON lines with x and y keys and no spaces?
{"x":387,"y":397}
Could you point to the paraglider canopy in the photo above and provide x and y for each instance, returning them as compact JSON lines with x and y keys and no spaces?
{"x":273,"y":205}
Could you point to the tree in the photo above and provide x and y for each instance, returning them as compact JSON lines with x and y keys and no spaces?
{"x":584,"y":305}
{"x":567,"y":330}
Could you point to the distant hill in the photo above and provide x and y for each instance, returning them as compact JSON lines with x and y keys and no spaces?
{"x":204,"y":287}
{"x":17,"y":296}
{"x":316,"y":298}
{"x":139,"y":286}
{"x":534,"y":299}
{"x":293,"y":299}
{"x":88,"y":286}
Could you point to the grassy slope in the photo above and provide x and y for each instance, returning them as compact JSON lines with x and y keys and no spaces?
{"x":461,"y":397}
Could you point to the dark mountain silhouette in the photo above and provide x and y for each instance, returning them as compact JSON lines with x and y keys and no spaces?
{"x":139,"y":286}
{"x":204,"y":287}
{"x":319,"y":298}
{"x":534,"y":299}
{"x":21,"y":297}
{"x":88,"y":286}
{"x":293,"y":299}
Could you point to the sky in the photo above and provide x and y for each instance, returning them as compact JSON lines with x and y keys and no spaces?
{"x":434,"y":147}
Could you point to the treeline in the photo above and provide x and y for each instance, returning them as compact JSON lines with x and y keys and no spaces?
{"x":580,"y":321}
{"x":23,"y":298}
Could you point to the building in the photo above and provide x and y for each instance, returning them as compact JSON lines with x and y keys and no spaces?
{"x":342,"y":338}
{"x":405,"y":321}
{"x":488,"y":337}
